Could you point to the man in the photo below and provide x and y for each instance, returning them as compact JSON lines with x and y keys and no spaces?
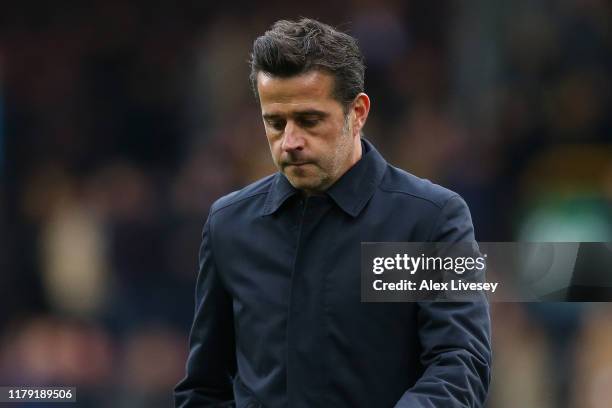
{"x":278,"y":319}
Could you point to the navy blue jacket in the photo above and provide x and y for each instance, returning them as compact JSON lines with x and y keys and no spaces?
{"x":279,"y":321}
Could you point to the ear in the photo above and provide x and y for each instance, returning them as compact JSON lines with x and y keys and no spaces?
{"x":360,"y":108}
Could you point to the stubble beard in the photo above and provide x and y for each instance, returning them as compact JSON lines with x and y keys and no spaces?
{"x":327,"y":170}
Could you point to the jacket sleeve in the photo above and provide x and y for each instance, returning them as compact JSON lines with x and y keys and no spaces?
{"x":455,"y":337}
{"x":211,"y":363}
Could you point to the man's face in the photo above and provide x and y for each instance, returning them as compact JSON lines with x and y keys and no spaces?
{"x":312,"y":141}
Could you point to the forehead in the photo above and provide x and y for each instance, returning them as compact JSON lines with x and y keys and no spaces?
{"x":314,"y":87}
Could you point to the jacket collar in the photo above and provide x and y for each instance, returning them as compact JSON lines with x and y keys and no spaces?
{"x":351,"y":192}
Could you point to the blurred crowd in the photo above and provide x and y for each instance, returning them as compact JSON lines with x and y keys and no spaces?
{"x":121,"y":122}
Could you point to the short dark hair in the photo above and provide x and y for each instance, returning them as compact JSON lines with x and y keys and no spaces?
{"x":291,"y":48}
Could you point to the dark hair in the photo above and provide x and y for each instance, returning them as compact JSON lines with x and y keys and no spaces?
{"x":291,"y":48}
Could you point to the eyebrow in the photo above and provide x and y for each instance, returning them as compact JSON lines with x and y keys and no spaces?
{"x":308,"y":112}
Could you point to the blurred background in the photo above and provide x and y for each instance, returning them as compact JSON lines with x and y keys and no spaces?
{"x":121,"y":122}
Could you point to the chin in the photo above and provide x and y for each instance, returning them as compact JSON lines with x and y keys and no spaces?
{"x":302,"y":184}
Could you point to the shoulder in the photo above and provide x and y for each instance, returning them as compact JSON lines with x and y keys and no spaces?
{"x":443,"y":214}
{"x":253,"y":192}
{"x":399,"y":182}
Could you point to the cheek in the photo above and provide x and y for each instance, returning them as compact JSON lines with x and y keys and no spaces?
{"x":272,"y":141}
{"x":275,"y":147}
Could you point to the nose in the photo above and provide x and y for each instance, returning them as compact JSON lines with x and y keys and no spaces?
{"x":292,"y":138}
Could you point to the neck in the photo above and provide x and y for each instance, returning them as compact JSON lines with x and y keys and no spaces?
{"x":357,"y":152}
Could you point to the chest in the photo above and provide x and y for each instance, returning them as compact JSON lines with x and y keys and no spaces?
{"x":306,"y":261}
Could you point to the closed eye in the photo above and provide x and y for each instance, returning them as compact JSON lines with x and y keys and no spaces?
{"x":308,"y":122}
{"x":276,"y":124}
{"x":305,"y":119}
